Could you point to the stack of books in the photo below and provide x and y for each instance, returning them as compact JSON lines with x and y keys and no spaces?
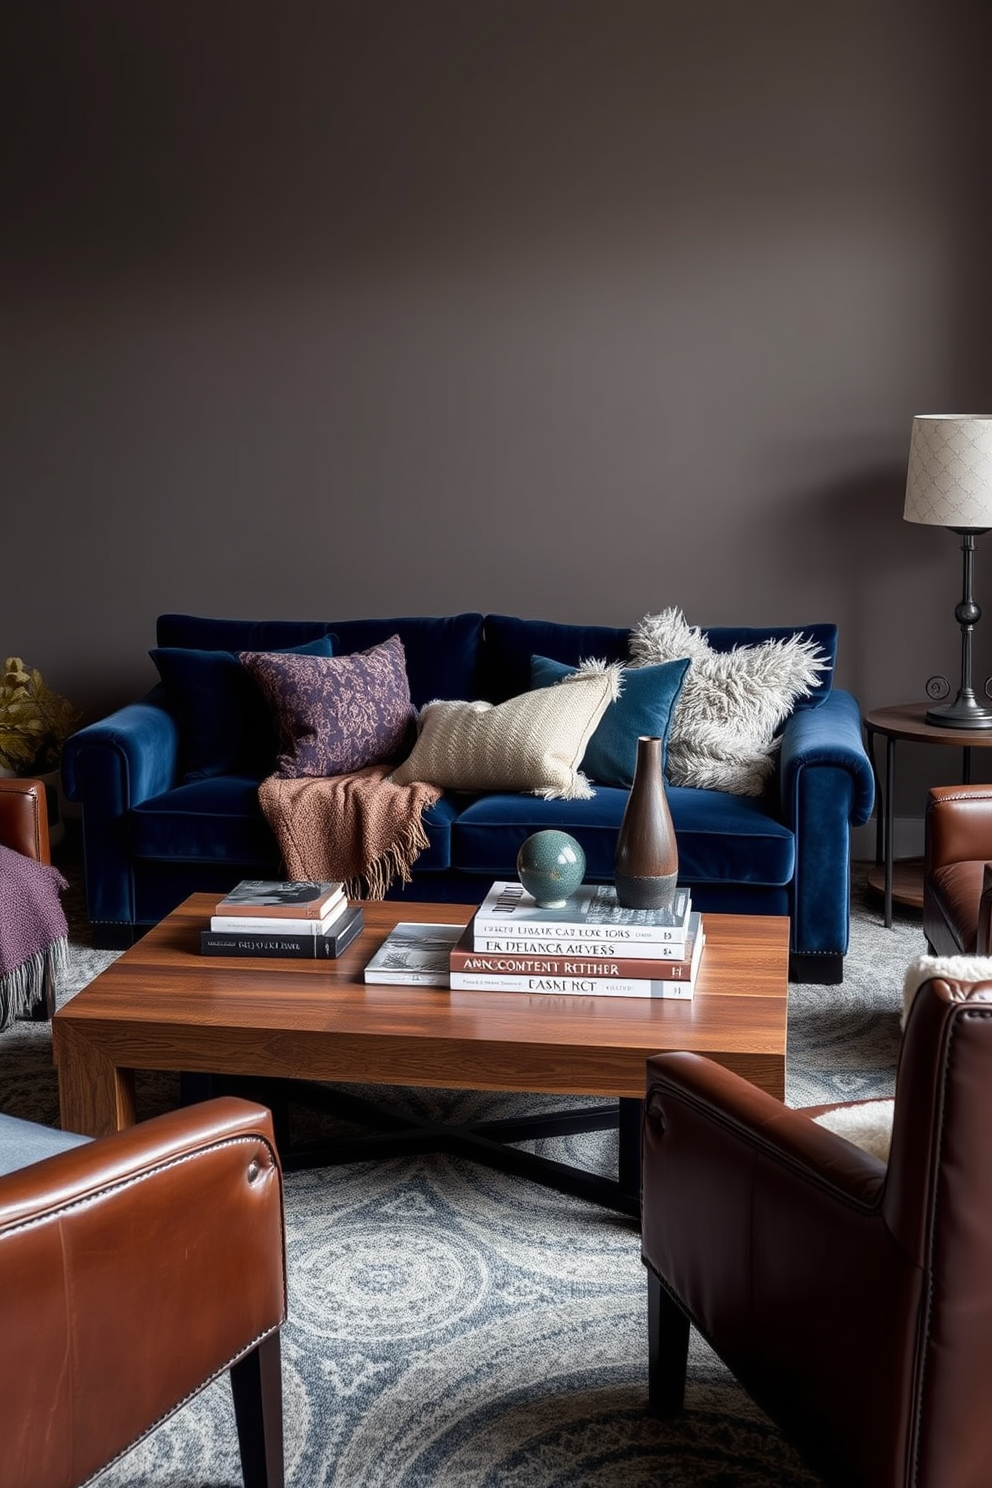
{"x":591,"y":947}
{"x":274,"y":917}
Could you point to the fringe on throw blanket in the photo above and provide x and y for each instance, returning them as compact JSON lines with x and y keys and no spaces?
{"x":359,"y":828}
{"x":23,"y":988}
{"x":33,"y":932}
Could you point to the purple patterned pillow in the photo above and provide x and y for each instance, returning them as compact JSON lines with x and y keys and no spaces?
{"x":335,"y":714}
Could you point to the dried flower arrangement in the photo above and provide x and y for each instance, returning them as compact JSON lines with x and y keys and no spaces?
{"x":34,"y":721}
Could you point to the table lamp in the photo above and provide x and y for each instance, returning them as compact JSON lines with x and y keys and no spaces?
{"x":949,"y":484}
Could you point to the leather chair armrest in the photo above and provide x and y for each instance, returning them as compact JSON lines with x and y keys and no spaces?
{"x":133,"y":1269}
{"x":958,"y":825}
{"x":24,"y":818}
{"x":748,"y":1117}
{"x":716,"y":1148}
{"x":754,"y":1217}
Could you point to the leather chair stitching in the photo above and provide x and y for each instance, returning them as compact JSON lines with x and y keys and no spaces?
{"x":970,"y":795}
{"x":99,"y":1194}
{"x":190,"y":1395}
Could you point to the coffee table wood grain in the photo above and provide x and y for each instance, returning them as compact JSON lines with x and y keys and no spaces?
{"x":164,"y":1006}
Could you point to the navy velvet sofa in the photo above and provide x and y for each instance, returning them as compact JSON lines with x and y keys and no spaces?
{"x":150,"y":838}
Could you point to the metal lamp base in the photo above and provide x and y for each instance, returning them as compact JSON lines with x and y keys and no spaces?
{"x":964,"y":713}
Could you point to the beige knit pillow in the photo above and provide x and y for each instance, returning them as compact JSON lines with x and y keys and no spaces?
{"x":534,"y":742}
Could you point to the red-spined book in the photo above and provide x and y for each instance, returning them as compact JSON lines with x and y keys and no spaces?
{"x":581,"y":966}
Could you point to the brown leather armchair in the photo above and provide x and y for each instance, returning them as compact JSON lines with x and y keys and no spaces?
{"x":24,"y":829}
{"x":957,"y":893}
{"x":133,"y":1270}
{"x":24,"y":818}
{"x":852,"y":1299}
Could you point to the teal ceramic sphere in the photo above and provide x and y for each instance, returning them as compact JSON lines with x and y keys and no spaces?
{"x":551,"y":865}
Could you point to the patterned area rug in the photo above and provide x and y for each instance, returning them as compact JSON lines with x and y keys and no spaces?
{"x":453,"y":1326}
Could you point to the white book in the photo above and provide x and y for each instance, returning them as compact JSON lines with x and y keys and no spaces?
{"x":674,"y":991}
{"x":265,"y":925}
{"x":608,"y":950}
{"x":591,"y":913}
{"x":414,"y":955}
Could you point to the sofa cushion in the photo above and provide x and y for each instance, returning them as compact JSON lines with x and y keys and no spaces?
{"x":442,"y":651}
{"x":336,"y":714}
{"x":220,"y":821}
{"x":508,"y":644}
{"x":721,"y":838}
{"x":216,"y":820}
{"x":225,"y":722}
{"x":534,"y":742}
{"x":645,"y":706}
{"x":206,"y":633}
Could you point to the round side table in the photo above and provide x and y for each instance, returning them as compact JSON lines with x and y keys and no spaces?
{"x":907,"y":721}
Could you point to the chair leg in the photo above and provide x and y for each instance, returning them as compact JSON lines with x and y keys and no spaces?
{"x":668,"y":1350}
{"x":256,"y":1383}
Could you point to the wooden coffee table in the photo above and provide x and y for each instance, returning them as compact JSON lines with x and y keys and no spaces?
{"x":164,"y":1006}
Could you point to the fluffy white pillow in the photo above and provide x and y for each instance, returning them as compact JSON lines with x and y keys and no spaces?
{"x":534,"y":742}
{"x":732,"y":703}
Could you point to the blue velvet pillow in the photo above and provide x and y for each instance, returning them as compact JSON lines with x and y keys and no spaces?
{"x":224,"y":721}
{"x":645,"y":706}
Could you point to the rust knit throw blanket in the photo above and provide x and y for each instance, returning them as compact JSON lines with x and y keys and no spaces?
{"x":359,"y":828}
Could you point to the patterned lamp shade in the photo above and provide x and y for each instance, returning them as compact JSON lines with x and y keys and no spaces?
{"x":949,"y":483}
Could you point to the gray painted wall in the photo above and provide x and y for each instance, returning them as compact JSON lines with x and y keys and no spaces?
{"x":566,"y":308}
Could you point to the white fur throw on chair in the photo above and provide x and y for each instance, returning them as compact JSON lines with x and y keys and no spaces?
{"x":868,"y":1124}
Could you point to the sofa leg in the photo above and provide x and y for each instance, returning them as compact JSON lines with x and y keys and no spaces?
{"x":256,"y":1383}
{"x":826,"y":970}
{"x":668,"y":1350}
{"x":115,"y":935}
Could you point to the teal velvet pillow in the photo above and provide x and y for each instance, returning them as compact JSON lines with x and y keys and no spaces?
{"x":645,"y":706}
{"x":225,"y":727}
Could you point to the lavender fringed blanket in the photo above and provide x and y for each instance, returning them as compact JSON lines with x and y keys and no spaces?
{"x":359,"y":828}
{"x":33,"y":931}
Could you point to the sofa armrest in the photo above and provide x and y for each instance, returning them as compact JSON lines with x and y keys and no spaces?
{"x":826,"y":787}
{"x":109,"y":767}
{"x":830,"y":737}
{"x":133,"y":1269}
{"x":126,"y":757}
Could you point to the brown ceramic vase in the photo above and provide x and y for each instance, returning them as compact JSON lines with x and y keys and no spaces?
{"x":647,"y":859}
